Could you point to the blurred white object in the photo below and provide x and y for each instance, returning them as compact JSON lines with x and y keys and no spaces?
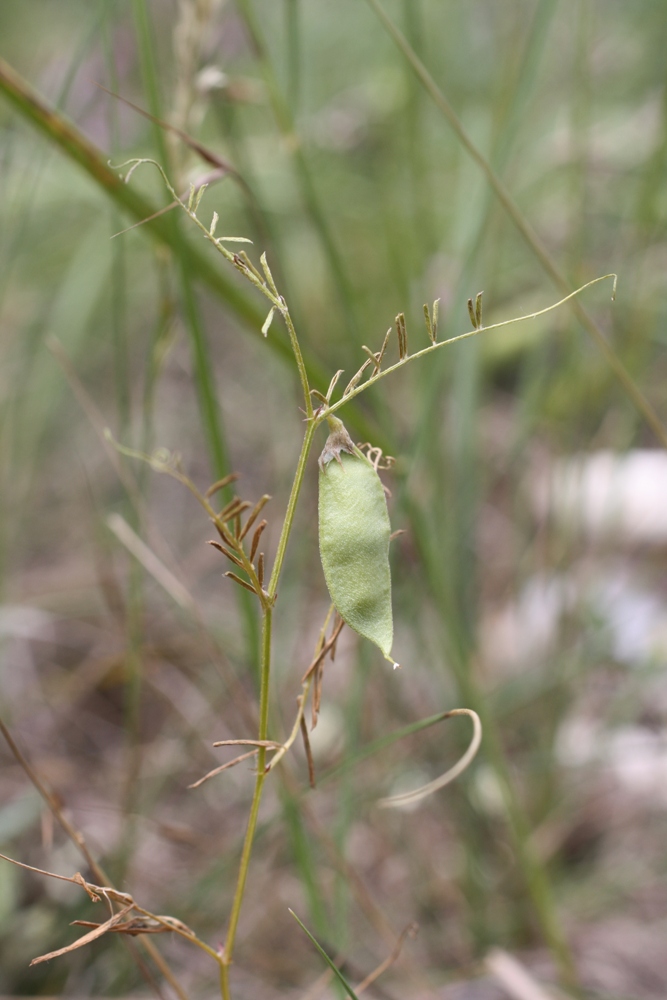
{"x":526,"y":629}
{"x":20,"y":621}
{"x":634,"y":756}
{"x":608,"y":494}
{"x":635,"y":617}
{"x":519,"y":983}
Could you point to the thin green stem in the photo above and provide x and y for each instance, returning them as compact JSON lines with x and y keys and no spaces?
{"x":291,"y":507}
{"x":265,"y":677}
{"x":453,"y":340}
{"x":254,"y":807}
{"x":300,"y":364}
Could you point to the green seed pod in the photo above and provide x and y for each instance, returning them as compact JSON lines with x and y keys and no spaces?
{"x":354,"y":539}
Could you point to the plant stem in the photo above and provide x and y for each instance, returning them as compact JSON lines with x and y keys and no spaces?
{"x":300,"y":363}
{"x":382,"y":373}
{"x":254,"y":808}
{"x":77,"y":147}
{"x":265,"y":676}
{"x":291,"y":507}
{"x":313,"y":423}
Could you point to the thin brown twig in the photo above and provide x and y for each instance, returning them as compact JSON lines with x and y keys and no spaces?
{"x":78,"y":840}
{"x":309,"y":753}
{"x":270,"y":744}
{"x":321,"y":648}
{"x":213,"y":159}
{"x":373,"y":912}
{"x":224,"y":767}
{"x":321,"y":656}
{"x":409,"y":931}
{"x":87,"y":938}
{"x":98,"y":892}
{"x":317,"y":695}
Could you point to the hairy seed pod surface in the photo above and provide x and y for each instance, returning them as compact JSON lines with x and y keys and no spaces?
{"x":354,"y":538}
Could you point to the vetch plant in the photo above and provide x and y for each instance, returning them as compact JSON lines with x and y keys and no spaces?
{"x":355,"y":536}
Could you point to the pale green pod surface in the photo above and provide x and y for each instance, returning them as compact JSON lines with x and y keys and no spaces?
{"x":354,"y":543}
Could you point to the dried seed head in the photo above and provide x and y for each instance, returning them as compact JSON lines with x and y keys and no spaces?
{"x":338,"y":440}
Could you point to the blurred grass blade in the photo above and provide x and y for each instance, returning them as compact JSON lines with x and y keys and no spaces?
{"x":211,"y":415}
{"x":72,"y":142}
{"x":209,"y":406}
{"x":285,"y":122}
{"x":334,"y":968}
{"x":303,"y":850}
{"x":154,"y":566}
{"x":70,"y":317}
{"x":511,"y":119}
{"x":207,"y":271}
{"x":524,"y":227}
{"x":380,"y":744}
{"x":293,"y":33}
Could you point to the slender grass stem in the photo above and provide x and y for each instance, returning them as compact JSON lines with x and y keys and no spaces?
{"x":291,"y":507}
{"x":254,"y":807}
{"x":265,"y":677}
{"x":303,"y":372}
{"x":209,"y":407}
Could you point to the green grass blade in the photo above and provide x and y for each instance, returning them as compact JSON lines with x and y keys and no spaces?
{"x":507,"y":131}
{"x":632,"y":390}
{"x":293,"y":32}
{"x":209,"y":407}
{"x":377,"y":746}
{"x":334,"y":968}
{"x":303,"y":851}
{"x":211,"y":416}
{"x":78,"y":148}
{"x":285,"y":122}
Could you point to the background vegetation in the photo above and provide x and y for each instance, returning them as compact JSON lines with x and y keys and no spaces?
{"x":115,"y":679}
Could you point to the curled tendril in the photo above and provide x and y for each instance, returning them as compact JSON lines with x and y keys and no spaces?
{"x":375,"y":456}
{"x":410,"y":798}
